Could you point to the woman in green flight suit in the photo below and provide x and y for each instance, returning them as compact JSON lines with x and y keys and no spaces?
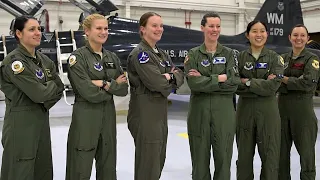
{"x":32,"y":86}
{"x":95,"y":75}
{"x":213,"y":79}
{"x":258,"y":119}
{"x":298,"y":120}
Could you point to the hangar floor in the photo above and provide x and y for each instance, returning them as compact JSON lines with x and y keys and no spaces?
{"x":178,"y":164}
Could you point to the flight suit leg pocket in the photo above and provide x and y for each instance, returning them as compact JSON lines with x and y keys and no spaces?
{"x":87,"y":122}
{"x":195,"y":119}
{"x":26,"y":133}
{"x":153,"y":117}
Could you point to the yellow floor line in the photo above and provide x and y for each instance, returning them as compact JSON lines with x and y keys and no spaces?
{"x":183,"y":135}
{"x":122,"y":112}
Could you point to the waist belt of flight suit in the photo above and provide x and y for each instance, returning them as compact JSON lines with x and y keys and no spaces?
{"x":78,"y":98}
{"x":296,"y":93}
{"x":27,"y":107}
{"x":134,"y":91}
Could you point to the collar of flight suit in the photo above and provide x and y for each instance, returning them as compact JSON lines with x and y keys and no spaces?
{"x":25,"y":52}
{"x":203,"y":49}
{"x":302,"y":54}
{"x":104,"y":52}
{"x":145,"y":44}
{"x":264,"y":51}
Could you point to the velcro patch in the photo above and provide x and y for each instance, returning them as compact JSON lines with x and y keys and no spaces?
{"x":39,"y":74}
{"x":205,"y":63}
{"x":315,"y":64}
{"x":186,"y":59}
{"x":281,"y":60}
{"x":299,"y":66}
{"x":72,"y":60}
{"x":17,"y":67}
{"x":97,"y":66}
{"x":143,"y":57}
{"x":219,"y":60}
{"x":261,"y":65}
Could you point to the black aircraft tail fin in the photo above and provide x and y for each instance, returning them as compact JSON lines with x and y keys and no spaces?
{"x":280,"y":16}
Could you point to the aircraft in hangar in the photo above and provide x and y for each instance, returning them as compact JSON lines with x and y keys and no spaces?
{"x":280,"y":16}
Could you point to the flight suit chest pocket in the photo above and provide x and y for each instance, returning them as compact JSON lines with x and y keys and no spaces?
{"x":219,"y":65}
{"x":263,"y":69}
{"x":96,"y":70}
{"x":111,"y":69}
{"x":39,"y":73}
{"x":247,"y":69}
{"x":164,"y":66}
{"x":297,"y":68}
{"x":204,"y":66}
{"x":48,"y":74}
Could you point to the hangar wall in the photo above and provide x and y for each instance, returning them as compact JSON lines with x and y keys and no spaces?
{"x":235,"y":14}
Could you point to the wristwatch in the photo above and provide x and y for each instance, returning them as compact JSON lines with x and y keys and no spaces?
{"x":248,"y":83}
{"x":280,"y":76}
{"x":104,"y":83}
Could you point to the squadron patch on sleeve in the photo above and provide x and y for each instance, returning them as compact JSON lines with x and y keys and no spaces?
{"x":281,"y":60}
{"x":315,"y":64}
{"x":72,"y":60}
{"x":186,"y":59}
{"x":17,"y":67}
{"x":143,"y":57}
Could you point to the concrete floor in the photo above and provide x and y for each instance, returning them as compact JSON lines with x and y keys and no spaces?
{"x":178,"y":163}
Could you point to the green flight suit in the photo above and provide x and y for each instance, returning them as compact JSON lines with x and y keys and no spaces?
{"x":92,"y":132}
{"x":258,"y":119}
{"x":147,"y":117}
{"x":298,"y":119}
{"x":31,"y":86}
{"x":211,"y":117}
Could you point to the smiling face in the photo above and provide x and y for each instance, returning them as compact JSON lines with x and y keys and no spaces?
{"x":98,"y":31}
{"x":299,"y":37}
{"x":257,"y":35}
{"x":153,"y":29}
{"x":212,"y":29}
{"x":30,"y":35}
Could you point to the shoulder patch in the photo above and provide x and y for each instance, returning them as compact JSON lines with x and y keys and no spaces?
{"x":281,"y":60}
{"x":186,"y":59}
{"x":17,"y":67}
{"x":315,"y":64}
{"x":72,"y":60}
{"x":143,"y":57}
